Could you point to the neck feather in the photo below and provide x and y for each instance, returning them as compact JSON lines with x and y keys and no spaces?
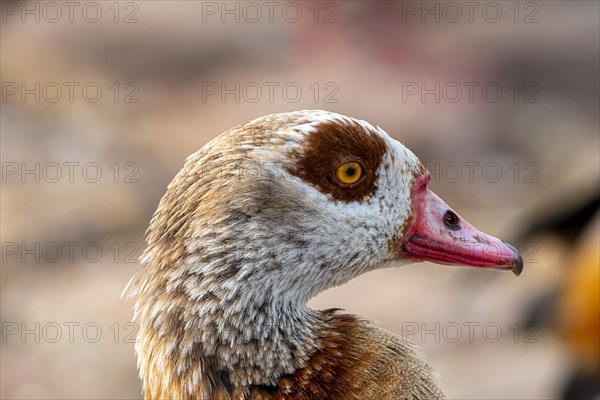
{"x":197,"y":337}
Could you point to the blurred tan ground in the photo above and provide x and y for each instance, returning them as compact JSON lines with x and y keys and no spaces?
{"x":368,"y":54}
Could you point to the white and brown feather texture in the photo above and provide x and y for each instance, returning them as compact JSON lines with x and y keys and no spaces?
{"x":250,"y":229}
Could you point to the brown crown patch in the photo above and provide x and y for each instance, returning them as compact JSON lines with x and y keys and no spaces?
{"x":332,"y":144}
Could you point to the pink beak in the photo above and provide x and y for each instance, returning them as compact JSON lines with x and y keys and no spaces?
{"x":440,"y":235}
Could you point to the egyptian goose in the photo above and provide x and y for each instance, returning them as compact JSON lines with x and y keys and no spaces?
{"x":260,"y":220}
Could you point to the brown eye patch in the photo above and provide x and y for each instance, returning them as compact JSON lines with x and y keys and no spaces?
{"x":331,"y":145}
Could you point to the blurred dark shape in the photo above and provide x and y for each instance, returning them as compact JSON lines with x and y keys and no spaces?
{"x":582,"y":387}
{"x":567,"y":223}
{"x":542,"y":310}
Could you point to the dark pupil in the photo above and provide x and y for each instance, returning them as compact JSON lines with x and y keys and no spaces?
{"x":451,"y":220}
{"x":350,"y":171}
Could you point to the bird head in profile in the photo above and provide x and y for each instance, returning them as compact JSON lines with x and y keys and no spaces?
{"x":290,"y":204}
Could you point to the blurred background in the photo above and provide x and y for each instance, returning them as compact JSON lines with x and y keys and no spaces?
{"x":102,"y":101}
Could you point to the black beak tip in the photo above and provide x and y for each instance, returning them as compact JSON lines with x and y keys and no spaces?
{"x":518,"y":263}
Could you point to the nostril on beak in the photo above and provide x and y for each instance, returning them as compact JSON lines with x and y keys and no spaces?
{"x":451,"y":220}
{"x":518,"y":262}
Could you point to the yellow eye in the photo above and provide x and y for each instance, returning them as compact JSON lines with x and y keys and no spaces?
{"x":349,"y":173}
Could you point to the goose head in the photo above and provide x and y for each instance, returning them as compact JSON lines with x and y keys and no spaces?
{"x":266,"y":216}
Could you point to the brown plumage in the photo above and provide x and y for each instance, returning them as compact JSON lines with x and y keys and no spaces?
{"x":255,"y":224}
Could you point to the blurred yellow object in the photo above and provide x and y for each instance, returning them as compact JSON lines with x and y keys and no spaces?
{"x":579,"y":301}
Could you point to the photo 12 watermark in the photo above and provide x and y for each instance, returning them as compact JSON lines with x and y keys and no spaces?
{"x":468,"y":332}
{"x":69,"y":172}
{"x":469,"y":92}
{"x":69,"y":91}
{"x":253,"y":12}
{"x":54,"y":332}
{"x":527,"y":172}
{"x":68,"y":252}
{"x":454,"y":12}
{"x":270,"y":92}
{"x":52,"y":12}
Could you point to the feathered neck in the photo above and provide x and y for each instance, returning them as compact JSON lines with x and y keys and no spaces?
{"x":191,"y":348}
{"x":196,"y":336}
